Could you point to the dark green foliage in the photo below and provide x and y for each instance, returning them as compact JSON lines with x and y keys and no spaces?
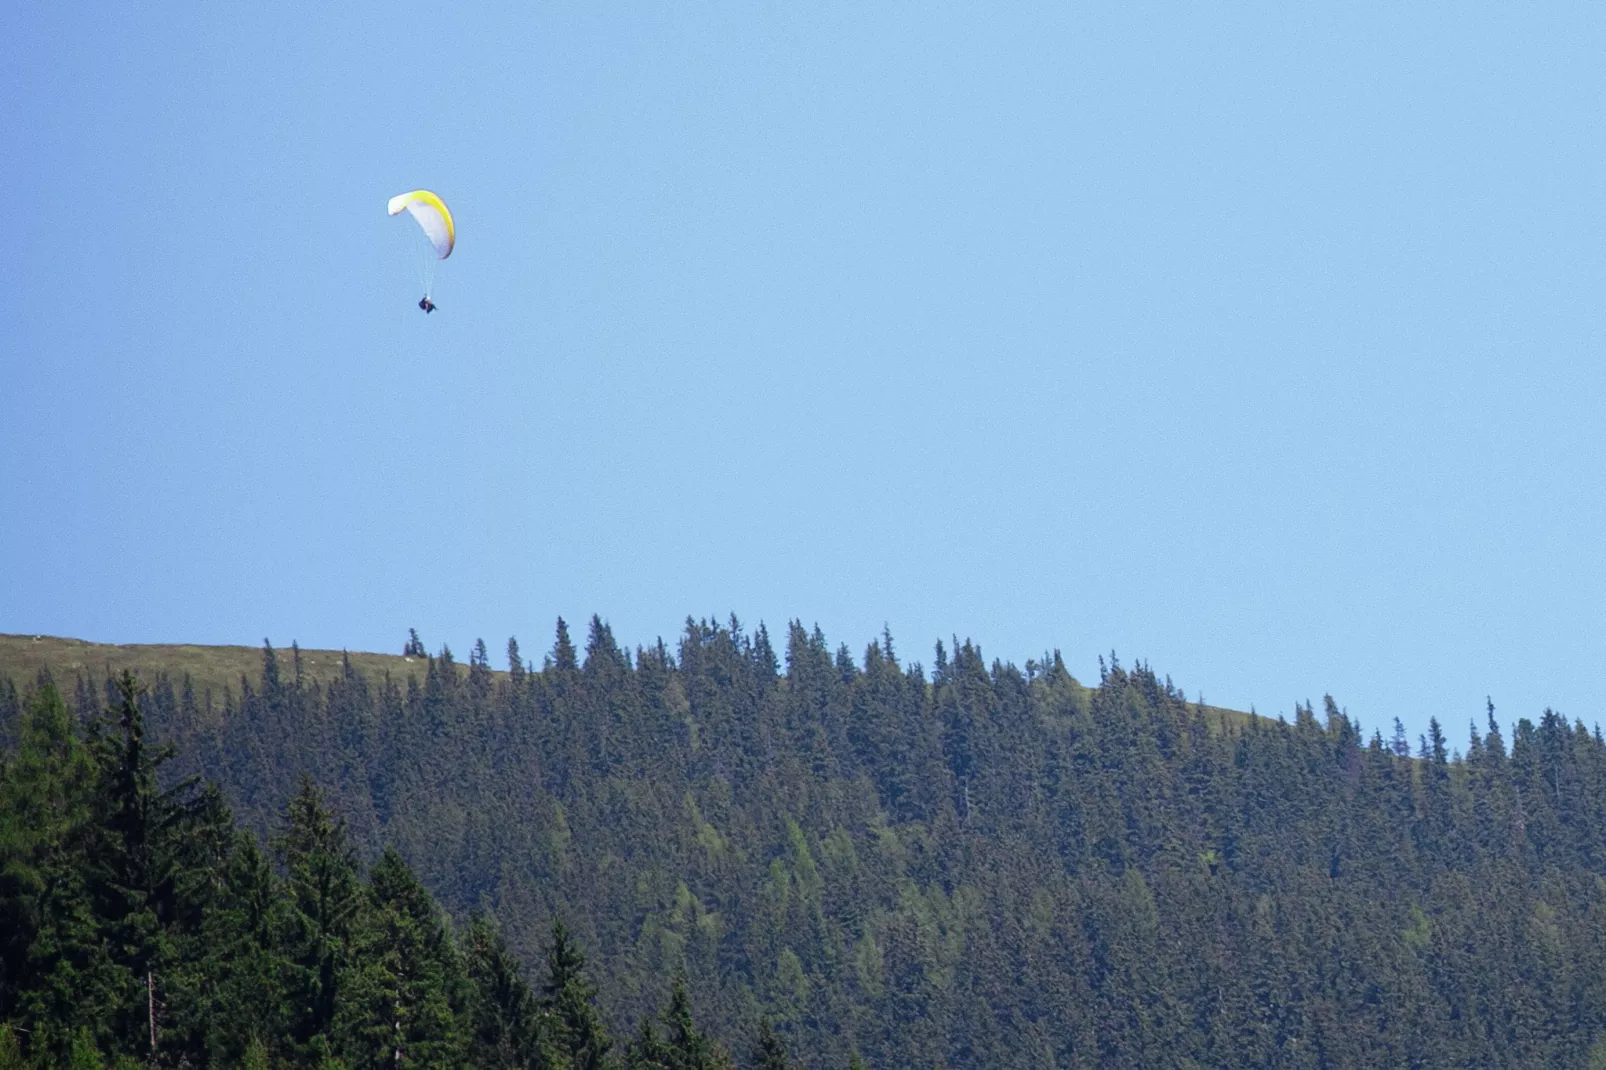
{"x":986,"y":867}
{"x":687,"y":1047}
{"x":58,"y":976}
{"x":769,"y":1053}
{"x":682,"y":1046}
{"x":147,"y":849}
{"x":507,"y":1027}
{"x":568,"y":998}
{"x":142,"y":928}
{"x":324,"y":900}
{"x":235,"y":984}
{"x":403,"y":988}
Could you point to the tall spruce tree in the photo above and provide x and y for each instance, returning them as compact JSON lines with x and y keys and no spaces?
{"x":144,"y":835}
{"x":568,"y":995}
{"x":325,"y":906}
{"x":57,"y":973}
{"x":509,"y":1030}
{"x":768,"y":1052}
{"x":403,"y":989}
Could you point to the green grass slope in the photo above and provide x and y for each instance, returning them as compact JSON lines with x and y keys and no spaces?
{"x":209,"y":667}
{"x":217,"y":668}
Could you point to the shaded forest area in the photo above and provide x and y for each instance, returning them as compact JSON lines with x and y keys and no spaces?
{"x":984,"y":867}
{"x":139,"y":924}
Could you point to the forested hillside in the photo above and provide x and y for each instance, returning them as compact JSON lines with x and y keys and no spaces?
{"x":137,"y":924}
{"x":976,"y":866}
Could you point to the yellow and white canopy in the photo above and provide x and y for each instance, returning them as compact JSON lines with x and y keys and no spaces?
{"x":432,"y":215}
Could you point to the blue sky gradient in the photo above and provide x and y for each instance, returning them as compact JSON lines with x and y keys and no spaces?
{"x":1259,"y":342}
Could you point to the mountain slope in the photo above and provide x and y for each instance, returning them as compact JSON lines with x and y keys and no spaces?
{"x":982,"y":866}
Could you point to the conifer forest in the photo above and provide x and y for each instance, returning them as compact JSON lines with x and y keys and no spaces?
{"x":746,"y":851}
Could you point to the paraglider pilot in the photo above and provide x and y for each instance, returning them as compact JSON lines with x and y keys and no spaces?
{"x":426,"y":304}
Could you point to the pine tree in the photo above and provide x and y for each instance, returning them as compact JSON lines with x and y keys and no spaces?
{"x":403,"y":986}
{"x":568,"y":995}
{"x":234,"y":988}
{"x":57,"y":976}
{"x":1401,"y":746}
{"x":646,"y":1051}
{"x":325,"y":907}
{"x":144,"y":836}
{"x":687,"y":1047}
{"x":508,"y":1031}
{"x":770,"y":1053}
{"x":563,"y":653}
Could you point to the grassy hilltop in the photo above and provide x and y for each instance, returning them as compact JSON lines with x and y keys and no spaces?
{"x":219,"y":668}
{"x":210,"y":667}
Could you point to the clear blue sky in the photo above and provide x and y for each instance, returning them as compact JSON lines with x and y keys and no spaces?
{"x":1257,"y":341}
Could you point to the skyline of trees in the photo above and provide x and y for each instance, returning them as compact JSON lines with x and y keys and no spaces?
{"x":986,"y":866}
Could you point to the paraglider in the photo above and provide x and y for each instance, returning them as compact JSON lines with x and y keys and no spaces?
{"x":438,"y":234}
